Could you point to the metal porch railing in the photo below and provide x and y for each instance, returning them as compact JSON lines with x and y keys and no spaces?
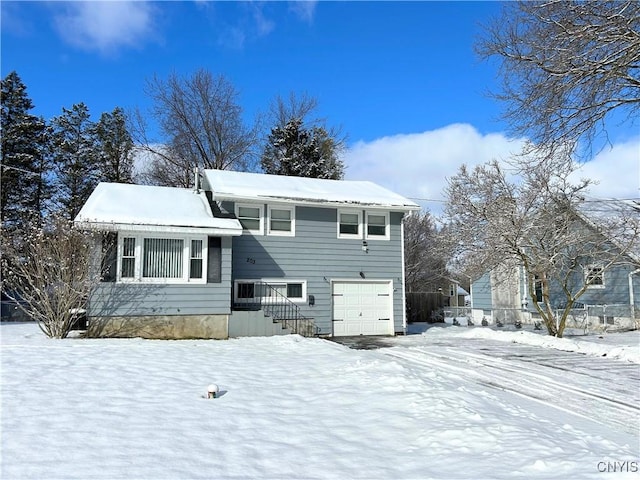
{"x":262,"y":296}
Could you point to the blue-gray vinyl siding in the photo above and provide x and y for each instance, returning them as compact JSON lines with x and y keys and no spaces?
{"x":317,"y":256}
{"x":615,"y":290}
{"x":481,"y":290}
{"x":127,"y":299}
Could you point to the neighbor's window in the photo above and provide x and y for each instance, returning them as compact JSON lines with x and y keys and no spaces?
{"x":594,"y":276}
{"x":281,"y":221}
{"x":537,"y":286}
{"x":250,"y":217}
{"x":378,"y":226}
{"x":349,"y":224}
{"x":606,"y":320}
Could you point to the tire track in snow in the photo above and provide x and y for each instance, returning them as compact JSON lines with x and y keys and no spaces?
{"x":513,"y":377}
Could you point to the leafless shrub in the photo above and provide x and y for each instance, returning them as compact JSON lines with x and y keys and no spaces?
{"x":50,"y":273}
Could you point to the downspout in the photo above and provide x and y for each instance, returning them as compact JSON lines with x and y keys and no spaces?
{"x":404,"y":295}
{"x":631,"y":297}
{"x":525,"y":288}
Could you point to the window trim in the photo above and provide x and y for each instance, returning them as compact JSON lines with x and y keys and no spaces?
{"x":186,"y":258}
{"x":350,"y":235}
{"x":260,"y":207}
{"x":387,"y":226}
{"x":270,"y":281}
{"x":282,"y":233}
{"x":588,"y":272}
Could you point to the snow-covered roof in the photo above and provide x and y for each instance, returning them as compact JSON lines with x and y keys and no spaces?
{"x":117,"y":206}
{"x":227,"y":185}
{"x":617,"y":217}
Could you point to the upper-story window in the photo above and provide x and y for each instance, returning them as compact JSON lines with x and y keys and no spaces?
{"x":281,"y":221}
{"x":349,"y":224}
{"x":377,"y":226}
{"x":250,"y":217}
{"x":594,"y":276}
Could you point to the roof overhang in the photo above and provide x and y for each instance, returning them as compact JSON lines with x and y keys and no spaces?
{"x":170,"y":229}
{"x":316,"y":192}
{"x":313,"y":203}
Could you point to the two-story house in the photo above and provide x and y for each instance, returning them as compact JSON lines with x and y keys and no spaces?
{"x":248,"y":254}
{"x":611,"y":298}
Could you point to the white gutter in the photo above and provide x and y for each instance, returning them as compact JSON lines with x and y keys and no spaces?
{"x":311,"y":202}
{"x":188,"y":230}
{"x":404,"y":294}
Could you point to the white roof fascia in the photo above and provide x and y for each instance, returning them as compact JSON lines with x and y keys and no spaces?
{"x":130,"y":227}
{"x":314,"y":203}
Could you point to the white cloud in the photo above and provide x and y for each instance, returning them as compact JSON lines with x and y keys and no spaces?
{"x":263,"y":25}
{"x":303,"y":9}
{"x":418,"y":165}
{"x":617,"y":171}
{"x":105,"y":26}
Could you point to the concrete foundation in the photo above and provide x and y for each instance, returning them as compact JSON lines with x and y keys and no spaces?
{"x":167,"y":327}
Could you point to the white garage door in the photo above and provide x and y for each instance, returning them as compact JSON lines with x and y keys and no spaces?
{"x":362,"y":308}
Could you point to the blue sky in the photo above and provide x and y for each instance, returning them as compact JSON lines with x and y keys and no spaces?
{"x":400,"y":78}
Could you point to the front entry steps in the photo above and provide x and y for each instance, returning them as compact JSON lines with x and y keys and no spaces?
{"x":253,"y":323}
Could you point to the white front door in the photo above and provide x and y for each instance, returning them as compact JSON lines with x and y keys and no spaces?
{"x":362,"y":308}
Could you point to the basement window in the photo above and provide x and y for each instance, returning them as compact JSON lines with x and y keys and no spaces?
{"x":270,"y":291}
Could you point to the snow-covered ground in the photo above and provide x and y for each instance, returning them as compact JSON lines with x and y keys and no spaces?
{"x":450,"y":403}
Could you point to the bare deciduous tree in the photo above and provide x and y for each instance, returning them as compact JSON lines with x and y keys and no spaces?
{"x":424,"y":258}
{"x":201,"y":121}
{"x":531,"y":216}
{"x":301,"y":106}
{"x":566,"y":67}
{"x":51,"y":271}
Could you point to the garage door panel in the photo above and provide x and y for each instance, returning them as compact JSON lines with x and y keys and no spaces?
{"x":362,"y":308}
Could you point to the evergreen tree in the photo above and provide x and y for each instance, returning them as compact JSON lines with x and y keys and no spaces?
{"x":302,"y":152}
{"x":25,"y":167}
{"x":116,"y":147}
{"x":75,"y":153}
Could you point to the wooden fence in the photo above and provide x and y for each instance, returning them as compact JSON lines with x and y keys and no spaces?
{"x":421,"y":306}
